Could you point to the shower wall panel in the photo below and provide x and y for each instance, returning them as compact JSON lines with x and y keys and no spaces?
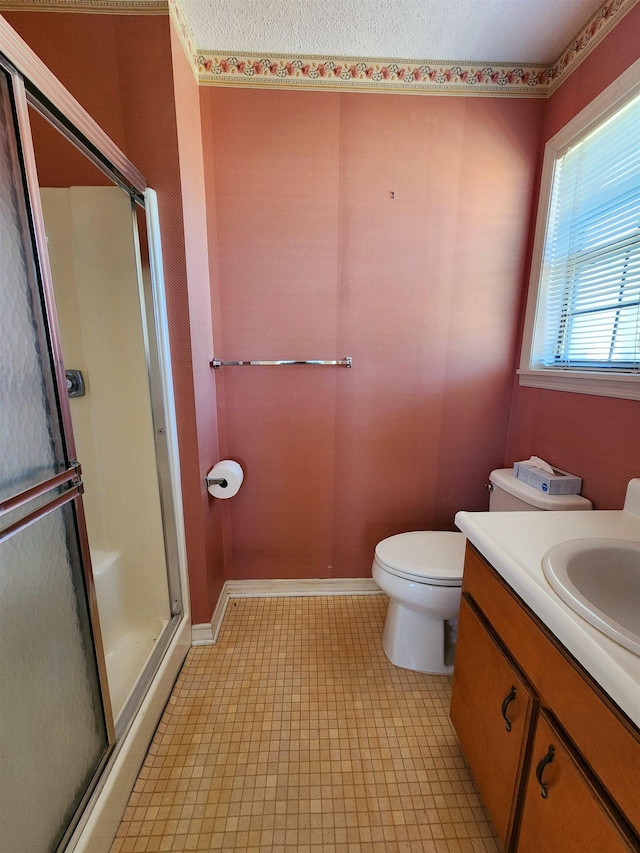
{"x":92,"y":254}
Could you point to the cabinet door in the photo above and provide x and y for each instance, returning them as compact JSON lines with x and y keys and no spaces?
{"x":491,"y":709}
{"x":562,"y":811}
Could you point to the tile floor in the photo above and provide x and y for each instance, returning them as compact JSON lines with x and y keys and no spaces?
{"x":294,"y":734}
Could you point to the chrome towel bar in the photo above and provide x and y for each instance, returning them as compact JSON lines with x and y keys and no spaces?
{"x":216,"y":363}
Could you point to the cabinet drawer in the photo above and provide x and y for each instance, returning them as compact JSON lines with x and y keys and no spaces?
{"x":608,"y":742}
{"x":563,"y":813}
{"x":491,"y":710}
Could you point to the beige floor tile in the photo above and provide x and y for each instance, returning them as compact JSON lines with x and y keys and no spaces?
{"x":294,"y":734}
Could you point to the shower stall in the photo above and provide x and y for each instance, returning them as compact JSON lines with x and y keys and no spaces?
{"x":93,"y":623}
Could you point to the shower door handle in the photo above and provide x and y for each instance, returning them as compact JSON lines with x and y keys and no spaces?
{"x":71,"y":477}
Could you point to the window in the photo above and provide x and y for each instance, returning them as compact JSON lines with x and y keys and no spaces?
{"x":583,"y":323}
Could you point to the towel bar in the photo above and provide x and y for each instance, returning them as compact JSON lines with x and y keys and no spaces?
{"x":216,"y":363}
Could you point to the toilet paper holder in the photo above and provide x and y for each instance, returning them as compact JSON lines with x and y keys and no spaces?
{"x":216,"y":481}
{"x":224,"y":479}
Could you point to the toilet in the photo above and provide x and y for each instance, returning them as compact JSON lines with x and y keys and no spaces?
{"x":421,"y":572}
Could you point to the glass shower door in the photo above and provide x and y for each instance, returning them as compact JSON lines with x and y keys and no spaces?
{"x":54,"y":731}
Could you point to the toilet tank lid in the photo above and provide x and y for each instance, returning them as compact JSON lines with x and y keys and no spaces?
{"x":503,"y":479}
{"x":424,"y":553}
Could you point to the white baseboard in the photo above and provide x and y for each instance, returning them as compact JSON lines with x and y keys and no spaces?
{"x":201,"y":634}
{"x":206,"y":634}
{"x":297,"y":587}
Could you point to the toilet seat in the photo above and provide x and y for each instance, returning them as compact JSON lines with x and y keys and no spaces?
{"x":426,"y":556}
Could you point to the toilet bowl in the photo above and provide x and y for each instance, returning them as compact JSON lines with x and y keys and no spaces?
{"x":421,"y":572}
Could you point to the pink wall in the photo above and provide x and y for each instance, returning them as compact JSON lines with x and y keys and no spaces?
{"x":119,"y":67}
{"x":316,"y":260}
{"x":61,"y":164}
{"x":206,"y":585}
{"x":597,"y":438}
{"x":309,"y":256}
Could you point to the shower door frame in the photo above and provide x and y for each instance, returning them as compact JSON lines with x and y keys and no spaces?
{"x":69,"y":478}
{"x":36,"y":86}
{"x":124,"y":174}
{"x":33,"y":85}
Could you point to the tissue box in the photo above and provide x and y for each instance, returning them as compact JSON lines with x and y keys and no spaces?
{"x":558,"y":483}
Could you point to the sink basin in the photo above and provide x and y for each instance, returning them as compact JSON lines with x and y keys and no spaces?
{"x":600,"y":580}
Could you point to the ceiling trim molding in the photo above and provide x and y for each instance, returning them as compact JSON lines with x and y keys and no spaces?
{"x":97,"y":7}
{"x":289,"y":71}
{"x":348,"y":73}
{"x":183,"y":30}
{"x":594,"y":31}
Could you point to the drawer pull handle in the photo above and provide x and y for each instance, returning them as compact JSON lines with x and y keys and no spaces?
{"x":544,"y":791}
{"x":505,"y":705}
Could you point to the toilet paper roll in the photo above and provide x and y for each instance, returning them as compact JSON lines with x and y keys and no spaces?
{"x":227,"y":470}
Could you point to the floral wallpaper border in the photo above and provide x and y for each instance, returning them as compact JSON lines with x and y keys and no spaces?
{"x":246,"y":69}
{"x":184,"y":34}
{"x":595,"y":30}
{"x":226,"y":68}
{"x":428,"y":77}
{"x":103,"y":7}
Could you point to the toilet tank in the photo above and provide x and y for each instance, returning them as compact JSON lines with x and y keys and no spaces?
{"x":507,"y":494}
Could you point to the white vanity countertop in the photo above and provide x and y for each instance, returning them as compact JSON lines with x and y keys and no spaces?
{"x":515,"y":542}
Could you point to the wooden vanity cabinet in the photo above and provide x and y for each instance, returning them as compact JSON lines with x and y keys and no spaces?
{"x":593,"y":771}
{"x":491,"y":709}
{"x":562,"y":810}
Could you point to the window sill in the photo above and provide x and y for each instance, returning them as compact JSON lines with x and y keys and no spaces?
{"x":625,"y":386}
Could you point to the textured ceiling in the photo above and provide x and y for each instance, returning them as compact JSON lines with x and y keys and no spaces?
{"x":481,"y":30}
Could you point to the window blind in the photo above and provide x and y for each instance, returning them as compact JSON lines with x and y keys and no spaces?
{"x":590,"y":279}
